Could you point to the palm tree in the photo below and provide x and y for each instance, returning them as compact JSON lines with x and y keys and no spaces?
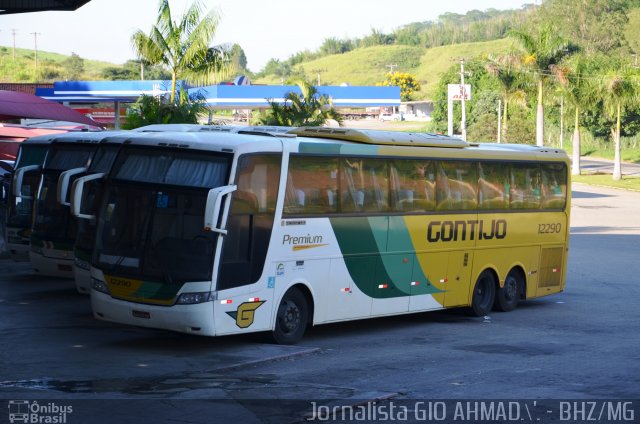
{"x":620,"y":88}
{"x":183,"y":47}
{"x":542,"y":52}
{"x":504,"y":68}
{"x":305,"y":109}
{"x":580,"y":90}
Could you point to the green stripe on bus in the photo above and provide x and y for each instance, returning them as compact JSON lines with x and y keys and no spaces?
{"x":375,"y":271}
{"x":157,"y":291}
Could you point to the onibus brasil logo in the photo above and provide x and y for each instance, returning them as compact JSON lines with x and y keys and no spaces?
{"x":24,"y":411}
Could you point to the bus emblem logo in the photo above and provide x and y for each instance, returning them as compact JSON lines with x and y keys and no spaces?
{"x":245,"y":314}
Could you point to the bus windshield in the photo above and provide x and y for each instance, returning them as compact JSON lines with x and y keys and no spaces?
{"x":102,"y":162}
{"x":151,"y":222}
{"x":20,"y":208}
{"x":52,"y":220}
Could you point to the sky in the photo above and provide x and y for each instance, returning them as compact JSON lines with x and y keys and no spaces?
{"x":101,"y":29}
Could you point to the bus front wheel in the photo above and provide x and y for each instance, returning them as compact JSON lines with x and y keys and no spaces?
{"x":508,"y":296}
{"x":292,"y":318}
{"x":483,"y":294}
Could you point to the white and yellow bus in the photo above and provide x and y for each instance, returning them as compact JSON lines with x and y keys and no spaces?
{"x":109,"y":145}
{"x":227,"y":233}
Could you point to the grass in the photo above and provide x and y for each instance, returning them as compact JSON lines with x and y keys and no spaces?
{"x":605,"y":180}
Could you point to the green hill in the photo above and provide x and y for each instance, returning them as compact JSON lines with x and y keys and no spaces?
{"x":51,"y":66}
{"x":367,"y":66}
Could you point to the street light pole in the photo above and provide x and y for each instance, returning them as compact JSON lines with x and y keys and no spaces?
{"x":463,"y":123}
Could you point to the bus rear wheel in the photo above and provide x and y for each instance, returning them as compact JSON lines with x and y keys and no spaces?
{"x":508,"y":296}
{"x":483,"y":294}
{"x":292,"y":318}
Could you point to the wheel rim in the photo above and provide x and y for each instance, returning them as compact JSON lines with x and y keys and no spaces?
{"x":483,"y":292}
{"x":510,"y":289}
{"x":289,"y":318}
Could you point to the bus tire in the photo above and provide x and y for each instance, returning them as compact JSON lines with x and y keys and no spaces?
{"x":508,"y":296}
{"x":292,"y":318}
{"x":483,"y":294}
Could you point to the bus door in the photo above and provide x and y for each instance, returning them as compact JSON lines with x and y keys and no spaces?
{"x":457,"y":284}
{"x":245,"y":246}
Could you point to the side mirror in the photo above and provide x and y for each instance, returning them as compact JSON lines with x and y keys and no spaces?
{"x":76,"y":194}
{"x":18,"y":176}
{"x":63,"y":184}
{"x":212,"y":210}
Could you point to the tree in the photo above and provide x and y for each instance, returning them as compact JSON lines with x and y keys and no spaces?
{"x":183,"y":47}
{"x":595,"y":25}
{"x":542,"y":52}
{"x":408,"y":84}
{"x":579,"y":88}
{"x":511,"y":82}
{"x":619,"y":88}
{"x":305,"y":109}
{"x":238,"y":58}
{"x":130,"y":70}
{"x":73,"y":67}
{"x":150,"y":110}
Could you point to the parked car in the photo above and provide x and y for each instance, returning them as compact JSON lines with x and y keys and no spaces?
{"x":388,"y":116}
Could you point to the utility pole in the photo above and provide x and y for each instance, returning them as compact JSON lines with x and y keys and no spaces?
{"x":561,"y":122}
{"x":35,"y":43}
{"x":463,"y":123}
{"x":499,"y":120}
{"x":391,"y":66}
{"x":13,"y":31}
{"x":317,"y":72}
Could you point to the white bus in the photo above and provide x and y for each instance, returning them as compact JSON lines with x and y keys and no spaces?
{"x":100,"y":166}
{"x":228,"y":233}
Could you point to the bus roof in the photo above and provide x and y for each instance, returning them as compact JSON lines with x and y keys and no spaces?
{"x":340,"y":141}
{"x":396,"y":138}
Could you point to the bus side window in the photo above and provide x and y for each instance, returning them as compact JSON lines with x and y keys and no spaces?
{"x":364,"y":185}
{"x":525,"y":186}
{"x":493,"y":186}
{"x":351,"y":185}
{"x":413,"y":186}
{"x":312,"y":185}
{"x":457,"y":185}
{"x":554,"y":186}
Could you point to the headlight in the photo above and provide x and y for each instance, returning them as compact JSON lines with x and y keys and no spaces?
{"x":193,"y":298}
{"x":99,"y":285}
{"x":81,"y":264}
